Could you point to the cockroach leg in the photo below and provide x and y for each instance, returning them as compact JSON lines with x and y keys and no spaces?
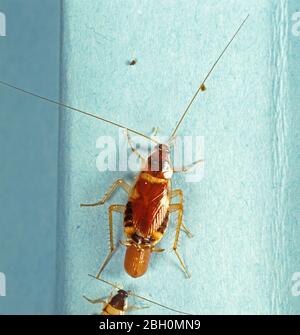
{"x":189,"y":167}
{"x":187,"y":231}
{"x":178,"y":193}
{"x":118,"y":209}
{"x":124,"y":243}
{"x":118,"y":183}
{"x":155,"y":132}
{"x":131,"y":144}
{"x":178,"y":208}
{"x":158,"y":250}
{"x":107,"y":259}
{"x":135,"y":308}
{"x":95,"y":301}
{"x":133,"y":149}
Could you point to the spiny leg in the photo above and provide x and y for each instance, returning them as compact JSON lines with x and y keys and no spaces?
{"x":178,"y":208}
{"x":188,"y":167}
{"x":157,"y":250}
{"x":154,"y":132}
{"x":95,"y":301}
{"x":136,"y":308}
{"x":118,"y":209}
{"x":178,"y":193}
{"x":133,"y":149}
{"x":118,"y":183}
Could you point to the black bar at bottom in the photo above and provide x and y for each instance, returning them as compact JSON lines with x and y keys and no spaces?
{"x":147,"y":324}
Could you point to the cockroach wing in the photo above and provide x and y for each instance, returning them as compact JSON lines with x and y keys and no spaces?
{"x":149,"y":207}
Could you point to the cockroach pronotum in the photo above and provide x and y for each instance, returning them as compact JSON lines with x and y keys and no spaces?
{"x":117,"y":302}
{"x":146,"y":214}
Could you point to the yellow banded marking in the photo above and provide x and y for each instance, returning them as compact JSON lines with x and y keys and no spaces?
{"x":154,"y":180}
{"x":129,"y":230}
{"x":110,"y":310}
{"x":157,"y":236}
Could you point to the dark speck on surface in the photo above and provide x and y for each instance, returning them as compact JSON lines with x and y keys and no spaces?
{"x":132,"y":62}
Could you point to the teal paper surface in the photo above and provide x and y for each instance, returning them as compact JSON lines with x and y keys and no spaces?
{"x":244,"y":212}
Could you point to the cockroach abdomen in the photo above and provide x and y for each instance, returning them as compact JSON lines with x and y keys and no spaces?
{"x":136,"y":260}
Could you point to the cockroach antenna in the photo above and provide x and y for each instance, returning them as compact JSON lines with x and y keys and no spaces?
{"x":76,"y":110}
{"x":140,"y":297}
{"x":202,"y":85}
{"x":106,"y":282}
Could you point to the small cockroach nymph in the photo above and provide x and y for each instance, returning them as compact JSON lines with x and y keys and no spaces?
{"x":117,"y":302}
{"x":147,"y":211}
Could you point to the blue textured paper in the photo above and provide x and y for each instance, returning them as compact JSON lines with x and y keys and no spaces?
{"x":243,"y":213}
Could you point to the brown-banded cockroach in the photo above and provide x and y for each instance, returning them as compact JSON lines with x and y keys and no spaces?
{"x":146,"y":214}
{"x":117,"y":302}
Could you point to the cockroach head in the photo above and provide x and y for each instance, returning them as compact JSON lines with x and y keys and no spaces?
{"x":163,"y":148}
{"x":123,"y":293}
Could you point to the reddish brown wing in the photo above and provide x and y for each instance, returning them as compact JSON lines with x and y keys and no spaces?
{"x":149,"y":206}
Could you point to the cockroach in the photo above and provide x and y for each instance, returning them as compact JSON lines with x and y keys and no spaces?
{"x":146,"y":214}
{"x":117,"y":302}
